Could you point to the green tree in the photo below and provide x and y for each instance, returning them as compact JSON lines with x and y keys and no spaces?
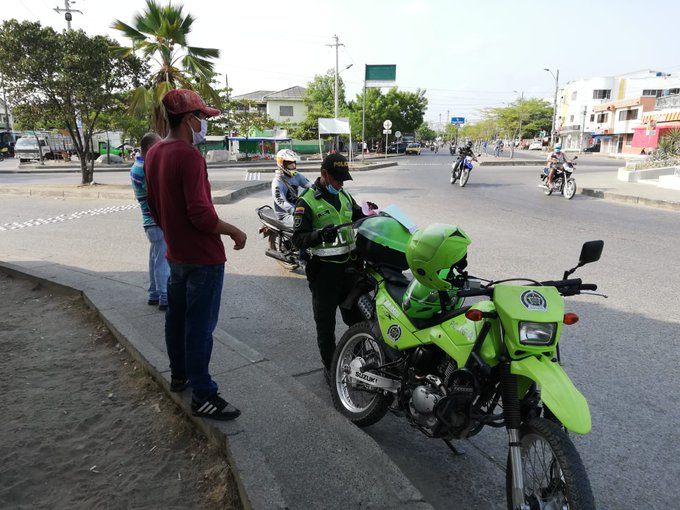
{"x":66,"y":80}
{"x":406,"y":110}
{"x":319,"y":99}
{"x":247,"y":118}
{"x":160,"y":34}
{"x":424,"y":132}
{"x":536,"y":116}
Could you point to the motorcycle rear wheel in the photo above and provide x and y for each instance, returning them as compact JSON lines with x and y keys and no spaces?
{"x":464,"y":176}
{"x":569,"y":189}
{"x":554,"y":475}
{"x":362,"y":405}
{"x":289,"y":266}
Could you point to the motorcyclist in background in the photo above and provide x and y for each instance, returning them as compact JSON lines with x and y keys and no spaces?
{"x":556,"y":160}
{"x":286,"y":184}
{"x":463,"y":151}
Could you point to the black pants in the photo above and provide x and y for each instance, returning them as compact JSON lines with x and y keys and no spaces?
{"x":329,"y":284}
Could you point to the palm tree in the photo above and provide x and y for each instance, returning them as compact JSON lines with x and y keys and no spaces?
{"x":160,"y":35}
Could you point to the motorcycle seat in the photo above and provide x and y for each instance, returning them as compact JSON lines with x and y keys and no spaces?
{"x":270,"y":216}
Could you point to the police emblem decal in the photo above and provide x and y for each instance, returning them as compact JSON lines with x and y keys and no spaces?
{"x":394,"y":332}
{"x":534,"y":301}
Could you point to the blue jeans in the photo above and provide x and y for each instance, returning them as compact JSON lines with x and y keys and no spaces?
{"x":158,"y":265}
{"x":194,"y":294}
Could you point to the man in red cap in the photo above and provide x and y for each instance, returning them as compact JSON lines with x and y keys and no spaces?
{"x":180,"y":201}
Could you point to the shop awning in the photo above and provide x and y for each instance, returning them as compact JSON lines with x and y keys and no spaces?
{"x":602,"y":137}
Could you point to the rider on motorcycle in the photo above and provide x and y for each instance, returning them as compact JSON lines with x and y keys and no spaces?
{"x":287,"y":181}
{"x":556,"y":161}
{"x":463,"y":151}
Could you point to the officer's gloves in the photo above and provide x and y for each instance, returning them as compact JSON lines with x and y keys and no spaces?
{"x":329,"y":233}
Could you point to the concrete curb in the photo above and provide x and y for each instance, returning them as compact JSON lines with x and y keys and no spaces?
{"x":629,"y":199}
{"x":512,"y":162}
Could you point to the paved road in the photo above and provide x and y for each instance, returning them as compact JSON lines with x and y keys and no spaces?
{"x":622,"y":354}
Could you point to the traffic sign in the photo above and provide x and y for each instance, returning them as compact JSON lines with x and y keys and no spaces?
{"x":457,"y":120}
{"x":387,"y":131}
{"x":387,"y":124}
{"x":397,"y":134}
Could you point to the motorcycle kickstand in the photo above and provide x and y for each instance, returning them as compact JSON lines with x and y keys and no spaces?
{"x":456,"y":450}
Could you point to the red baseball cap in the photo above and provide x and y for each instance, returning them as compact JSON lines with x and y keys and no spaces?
{"x":184,"y":101}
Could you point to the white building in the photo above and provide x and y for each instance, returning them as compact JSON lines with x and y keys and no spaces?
{"x":607,"y":109}
{"x":282,"y":106}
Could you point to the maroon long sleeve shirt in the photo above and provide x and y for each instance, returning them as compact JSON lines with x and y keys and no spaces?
{"x":180,"y":202}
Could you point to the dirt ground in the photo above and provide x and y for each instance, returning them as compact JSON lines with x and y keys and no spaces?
{"x":82,"y":426}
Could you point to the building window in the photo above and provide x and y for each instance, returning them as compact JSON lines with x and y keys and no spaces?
{"x":573,"y":95}
{"x":602,"y":117}
{"x":285,"y":111}
{"x":592,"y":117}
{"x":628,"y":114}
{"x":602,"y":94}
{"x":652,"y":92}
{"x":571,"y":118}
{"x":673,"y":91}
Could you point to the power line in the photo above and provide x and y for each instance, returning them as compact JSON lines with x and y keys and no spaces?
{"x":67,"y":9}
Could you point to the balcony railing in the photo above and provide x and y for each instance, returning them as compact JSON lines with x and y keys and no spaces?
{"x":665,"y":102}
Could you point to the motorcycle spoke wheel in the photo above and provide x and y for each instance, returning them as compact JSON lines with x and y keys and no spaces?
{"x":289,"y":266}
{"x":554,"y":475}
{"x":464,"y":176}
{"x":360,"y":403}
{"x":570,"y":189}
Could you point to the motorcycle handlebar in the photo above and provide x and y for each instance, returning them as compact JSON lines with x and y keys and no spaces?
{"x":565,"y":287}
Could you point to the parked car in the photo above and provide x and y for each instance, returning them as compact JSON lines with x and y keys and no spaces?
{"x":397,"y":147}
{"x":593,"y":148}
{"x":413,"y":148}
{"x":535,"y":146}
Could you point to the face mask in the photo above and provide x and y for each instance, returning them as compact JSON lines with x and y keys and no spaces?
{"x":200,"y":136}
{"x":331,"y":189}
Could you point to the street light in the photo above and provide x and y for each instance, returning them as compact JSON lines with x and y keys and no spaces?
{"x":521,"y":101}
{"x":557,"y":80}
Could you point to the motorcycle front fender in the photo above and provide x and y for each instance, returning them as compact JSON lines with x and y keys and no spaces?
{"x":563,"y":399}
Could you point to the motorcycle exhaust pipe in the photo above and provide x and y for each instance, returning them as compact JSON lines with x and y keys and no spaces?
{"x":279,"y":256}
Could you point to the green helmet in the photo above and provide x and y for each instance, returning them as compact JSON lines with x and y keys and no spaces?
{"x":421,"y":302}
{"x":434,"y":248}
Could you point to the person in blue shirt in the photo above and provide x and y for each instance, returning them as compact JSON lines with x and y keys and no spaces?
{"x":159,"y":270}
{"x":286,"y":185}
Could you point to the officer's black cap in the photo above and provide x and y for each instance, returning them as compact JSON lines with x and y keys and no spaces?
{"x":337,"y":166}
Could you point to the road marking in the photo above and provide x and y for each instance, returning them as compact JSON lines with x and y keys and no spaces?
{"x":65,"y":217}
{"x":252,"y":176}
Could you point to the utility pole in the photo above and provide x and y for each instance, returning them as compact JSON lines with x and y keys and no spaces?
{"x":67,"y":9}
{"x":554,"y":119}
{"x":337,"y":72}
{"x":583,"y":128}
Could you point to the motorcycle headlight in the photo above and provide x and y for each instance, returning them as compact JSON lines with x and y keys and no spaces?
{"x":537,"y":333}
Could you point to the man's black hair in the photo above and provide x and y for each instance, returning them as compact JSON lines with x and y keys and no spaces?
{"x":175,"y":119}
{"x":147,"y":141}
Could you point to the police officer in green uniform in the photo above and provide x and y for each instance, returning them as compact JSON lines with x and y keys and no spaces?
{"x":318,"y":212}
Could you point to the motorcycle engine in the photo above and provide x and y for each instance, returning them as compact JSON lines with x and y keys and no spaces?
{"x":441,"y":395}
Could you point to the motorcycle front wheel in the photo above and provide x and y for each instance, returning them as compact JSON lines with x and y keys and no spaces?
{"x":464,"y":176}
{"x":360,"y":403}
{"x":569,"y":189}
{"x":554,"y":475}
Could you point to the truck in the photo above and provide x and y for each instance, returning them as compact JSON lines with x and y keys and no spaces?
{"x":52,"y":145}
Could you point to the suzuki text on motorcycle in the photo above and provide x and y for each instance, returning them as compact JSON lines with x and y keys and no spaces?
{"x":452,"y":368}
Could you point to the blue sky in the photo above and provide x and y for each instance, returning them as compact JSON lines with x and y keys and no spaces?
{"x":467,"y":55}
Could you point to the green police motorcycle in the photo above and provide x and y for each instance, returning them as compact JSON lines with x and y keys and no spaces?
{"x":452,"y":368}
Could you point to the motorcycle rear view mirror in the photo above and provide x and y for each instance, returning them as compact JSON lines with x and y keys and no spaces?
{"x":590,"y":252}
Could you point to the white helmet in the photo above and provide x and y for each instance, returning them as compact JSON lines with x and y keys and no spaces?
{"x":284,"y":158}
